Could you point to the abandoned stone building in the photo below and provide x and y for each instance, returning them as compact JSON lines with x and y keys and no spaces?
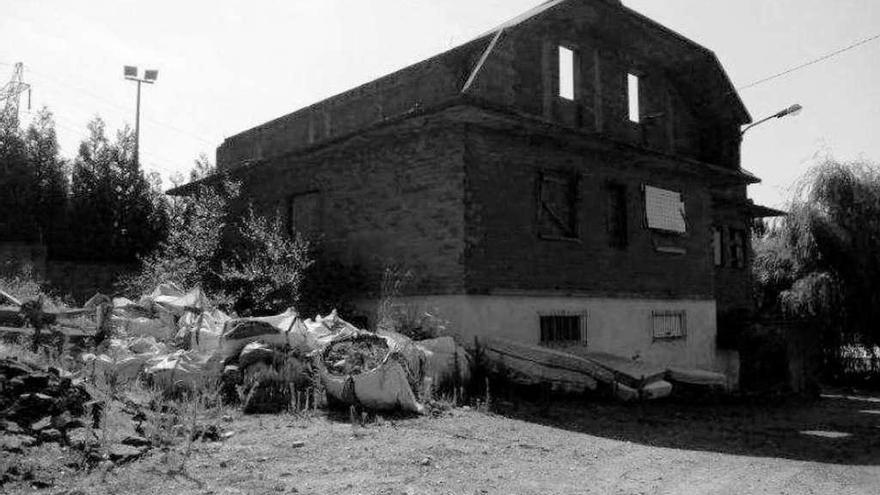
{"x":570,"y":178}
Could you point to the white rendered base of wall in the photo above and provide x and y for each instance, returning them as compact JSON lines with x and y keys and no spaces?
{"x":619,"y":326}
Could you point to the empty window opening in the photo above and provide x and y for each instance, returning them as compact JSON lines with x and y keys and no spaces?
{"x":304,"y":214}
{"x":718,"y":246}
{"x":666,"y":325}
{"x":633,"y":98}
{"x":737,"y":248}
{"x":566,"y":73}
{"x":563,"y":329}
{"x":616,"y":221}
{"x":557,"y":205}
{"x":665,"y":210}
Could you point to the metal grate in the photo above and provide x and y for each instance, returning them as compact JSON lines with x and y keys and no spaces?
{"x":563,"y":329}
{"x":665,"y":210}
{"x":668,"y":325}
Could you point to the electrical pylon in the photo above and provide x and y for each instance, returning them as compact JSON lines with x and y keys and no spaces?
{"x":11,"y":93}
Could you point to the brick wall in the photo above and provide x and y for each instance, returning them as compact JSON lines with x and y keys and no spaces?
{"x":393,"y":197}
{"x":504,"y":251}
{"x":684,"y":98}
{"x":422,"y":85}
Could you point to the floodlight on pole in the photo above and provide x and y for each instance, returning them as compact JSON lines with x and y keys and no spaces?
{"x":131,"y":73}
{"x":790,"y":111}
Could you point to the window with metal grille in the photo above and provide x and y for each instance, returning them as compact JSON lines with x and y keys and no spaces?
{"x":664,"y":210}
{"x":667,"y":325}
{"x":557,"y":205}
{"x":616,"y":215}
{"x":563,"y":329}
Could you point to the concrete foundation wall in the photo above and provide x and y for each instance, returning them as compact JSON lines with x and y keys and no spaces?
{"x":614,"y":325}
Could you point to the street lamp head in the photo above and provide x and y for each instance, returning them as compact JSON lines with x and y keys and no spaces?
{"x":792,"y":110}
{"x":151,"y":75}
{"x":130,"y":71}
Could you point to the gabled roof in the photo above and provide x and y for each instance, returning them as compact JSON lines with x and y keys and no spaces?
{"x":539,"y":10}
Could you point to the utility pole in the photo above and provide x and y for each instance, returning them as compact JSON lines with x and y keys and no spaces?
{"x":131,"y":74}
{"x":11,"y":93}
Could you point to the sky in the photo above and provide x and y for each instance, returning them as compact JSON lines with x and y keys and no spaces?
{"x":228,"y":65}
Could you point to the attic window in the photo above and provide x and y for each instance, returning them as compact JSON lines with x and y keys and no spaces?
{"x":566,"y":73}
{"x":633,"y":98}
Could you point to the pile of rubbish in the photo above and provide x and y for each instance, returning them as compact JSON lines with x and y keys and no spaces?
{"x":179,"y":341}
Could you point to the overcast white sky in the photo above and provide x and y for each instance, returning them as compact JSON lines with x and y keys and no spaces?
{"x":227,"y":65}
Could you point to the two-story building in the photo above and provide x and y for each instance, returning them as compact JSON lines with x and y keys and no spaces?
{"x":569,"y":178}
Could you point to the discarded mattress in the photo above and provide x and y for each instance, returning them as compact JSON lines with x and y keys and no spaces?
{"x":697,"y":377}
{"x":656,"y":390}
{"x":530,"y":364}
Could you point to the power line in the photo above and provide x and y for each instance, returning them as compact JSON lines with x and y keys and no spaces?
{"x":811,"y":62}
{"x":114,"y":104}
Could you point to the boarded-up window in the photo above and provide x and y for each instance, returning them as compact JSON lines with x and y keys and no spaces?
{"x":737,"y":248}
{"x":557,"y":205}
{"x":563,"y":329}
{"x":616,"y":215}
{"x":668,"y":325}
{"x":718,"y":246}
{"x":304,"y":214}
{"x":664,"y":210}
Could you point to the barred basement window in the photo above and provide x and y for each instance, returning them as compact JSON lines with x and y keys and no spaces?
{"x":563,"y":329}
{"x":668,"y":325}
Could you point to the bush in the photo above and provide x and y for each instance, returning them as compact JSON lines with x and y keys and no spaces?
{"x":265,"y":272}
{"x":189,"y":253}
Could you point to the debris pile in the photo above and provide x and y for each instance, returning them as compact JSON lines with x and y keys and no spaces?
{"x":38,"y":405}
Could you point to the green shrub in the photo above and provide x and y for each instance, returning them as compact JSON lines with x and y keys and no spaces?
{"x":264,"y":273}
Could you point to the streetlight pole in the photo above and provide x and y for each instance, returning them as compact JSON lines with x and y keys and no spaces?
{"x":792,"y":110}
{"x":131,"y":74}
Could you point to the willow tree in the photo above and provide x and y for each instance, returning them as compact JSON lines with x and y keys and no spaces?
{"x":821,"y":264}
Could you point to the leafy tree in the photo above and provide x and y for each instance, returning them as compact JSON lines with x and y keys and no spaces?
{"x":17,"y":221}
{"x":50,"y":182}
{"x":821,"y":264}
{"x":188,"y":255}
{"x":118,"y":212}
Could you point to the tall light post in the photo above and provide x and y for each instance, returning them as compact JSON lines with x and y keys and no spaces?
{"x":792,"y":110}
{"x":131,"y":74}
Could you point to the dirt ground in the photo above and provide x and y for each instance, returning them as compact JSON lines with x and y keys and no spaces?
{"x":562,"y":448}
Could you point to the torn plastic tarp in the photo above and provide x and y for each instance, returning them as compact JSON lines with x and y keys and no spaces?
{"x":446,"y":363}
{"x":179,"y":369}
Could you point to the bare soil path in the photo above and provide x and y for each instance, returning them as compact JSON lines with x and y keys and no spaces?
{"x":566,"y":448}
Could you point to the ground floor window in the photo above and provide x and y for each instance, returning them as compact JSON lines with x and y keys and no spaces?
{"x":563,"y":329}
{"x":668,"y":325}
